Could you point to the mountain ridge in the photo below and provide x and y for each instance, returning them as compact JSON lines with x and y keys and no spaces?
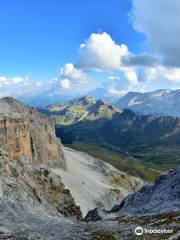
{"x":79,"y":109}
{"x":163,"y":102}
{"x":149,"y":141}
{"x":129,"y":122}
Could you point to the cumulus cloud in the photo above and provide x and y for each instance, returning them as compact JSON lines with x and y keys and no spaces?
{"x":70,"y":72}
{"x":18,"y":86}
{"x":65,"y":83}
{"x":12,"y":80}
{"x":71,"y":77}
{"x":159,"y":21}
{"x":131,"y":75}
{"x":162,"y":73}
{"x":18,"y":80}
{"x":3,"y":80}
{"x":101,"y":53}
{"x":117,"y":86}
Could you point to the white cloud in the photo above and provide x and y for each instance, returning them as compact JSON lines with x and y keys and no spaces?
{"x":131,"y":75}
{"x":65,"y":83}
{"x":71,"y":77}
{"x":12,"y":80}
{"x":19,"y":85}
{"x":114,"y":91}
{"x":18,"y":80}
{"x":101,"y":53}
{"x":161,"y":73}
{"x":40,"y":84}
{"x":159,"y":20}
{"x":173,"y":74}
{"x":72,"y":73}
{"x":3,"y":80}
{"x":118,"y":85}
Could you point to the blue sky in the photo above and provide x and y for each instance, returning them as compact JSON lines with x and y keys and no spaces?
{"x":38,"y":38}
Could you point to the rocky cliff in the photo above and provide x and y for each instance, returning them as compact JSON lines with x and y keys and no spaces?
{"x":29,"y":150}
{"x":154,"y":209}
{"x":161,"y":197}
{"x":152,"y":199}
{"x":28,"y":134}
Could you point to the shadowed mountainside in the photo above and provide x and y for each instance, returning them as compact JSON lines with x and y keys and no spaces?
{"x":152,"y":140}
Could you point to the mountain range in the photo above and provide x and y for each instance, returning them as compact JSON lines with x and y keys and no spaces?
{"x":152,"y":139}
{"x":164,"y":102}
{"x":104,"y":94}
{"x":46,"y":188}
{"x":128,"y":128}
{"x":160,"y":102}
{"x":79,"y":109}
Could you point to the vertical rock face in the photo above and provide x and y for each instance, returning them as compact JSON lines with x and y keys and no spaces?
{"x":28,"y":134}
{"x":29,"y":150}
{"x":44,"y":144}
{"x":15,"y":137}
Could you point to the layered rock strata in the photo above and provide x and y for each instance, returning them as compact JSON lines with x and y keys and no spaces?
{"x":29,"y":150}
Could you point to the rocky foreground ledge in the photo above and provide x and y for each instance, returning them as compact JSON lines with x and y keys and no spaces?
{"x":161,"y":197}
{"x":155,"y":208}
{"x":26,"y":223}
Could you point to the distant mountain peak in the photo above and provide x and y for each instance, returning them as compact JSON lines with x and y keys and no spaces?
{"x":127,"y":111}
{"x":163,"y":102}
{"x":8,"y":99}
{"x":100,"y":102}
{"x":85,"y":100}
{"x":80,"y":109}
{"x":10,"y":106}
